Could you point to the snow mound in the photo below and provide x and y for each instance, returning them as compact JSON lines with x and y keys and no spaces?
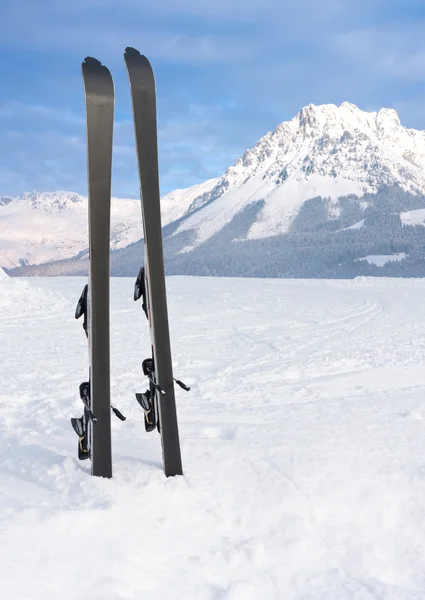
{"x":23,"y":298}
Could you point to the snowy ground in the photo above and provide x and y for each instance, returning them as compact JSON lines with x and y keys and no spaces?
{"x":381,"y":260}
{"x":302,"y":439}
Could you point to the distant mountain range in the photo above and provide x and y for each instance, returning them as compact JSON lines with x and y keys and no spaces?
{"x":36,"y":227}
{"x":316,"y":198}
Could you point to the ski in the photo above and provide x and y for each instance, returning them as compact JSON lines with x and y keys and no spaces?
{"x":94,"y":427}
{"x":158,"y":402}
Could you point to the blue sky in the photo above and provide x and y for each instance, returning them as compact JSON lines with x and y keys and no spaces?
{"x":227,"y":72}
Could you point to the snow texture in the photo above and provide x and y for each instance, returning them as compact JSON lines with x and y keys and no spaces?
{"x":358,"y":225}
{"x":302,"y":441}
{"x":413,"y":217}
{"x":382,"y":259}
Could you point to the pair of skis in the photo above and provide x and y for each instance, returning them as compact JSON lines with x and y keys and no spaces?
{"x":158,"y":402}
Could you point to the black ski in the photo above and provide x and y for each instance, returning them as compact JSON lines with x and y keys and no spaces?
{"x":94,"y":427}
{"x":158,"y":401}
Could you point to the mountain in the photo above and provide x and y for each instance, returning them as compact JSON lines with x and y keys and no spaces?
{"x":39,"y":227}
{"x":329,"y":151}
{"x":36,"y":228}
{"x":314,"y":198}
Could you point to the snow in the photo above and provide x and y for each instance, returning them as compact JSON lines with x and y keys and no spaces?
{"x":382,"y":259}
{"x":413,"y":217}
{"x":176,"y":203}
{"x":3,"y":276}
{"x":276,"y":216}
{"x":327,"y":151}
{"x":41,"y":227}
{"x":357,"y":225}
{"x":302,"y":441}
{"x":38,"y":227}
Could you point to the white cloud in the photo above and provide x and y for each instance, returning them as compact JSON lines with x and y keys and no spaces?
{"x":18,"y":109}
{"x":109,"y":40}
{"x":394,"y":51}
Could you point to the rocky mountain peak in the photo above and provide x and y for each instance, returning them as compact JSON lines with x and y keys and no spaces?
{"x":326,"y":150}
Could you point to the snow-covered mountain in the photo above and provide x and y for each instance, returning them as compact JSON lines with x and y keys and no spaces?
{"x":40,"y":227}
{"x":327,"y":151}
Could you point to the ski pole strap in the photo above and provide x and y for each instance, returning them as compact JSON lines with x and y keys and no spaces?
{"x":140,"y":290}
{"x":81,"y":310}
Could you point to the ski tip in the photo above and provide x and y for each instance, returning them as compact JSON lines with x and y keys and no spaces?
{"x":90,"y":60}
{"x":131,"y":52}
{"x":133,"y":55}
{"x":93,"y":65}
{"x":98,"y":82}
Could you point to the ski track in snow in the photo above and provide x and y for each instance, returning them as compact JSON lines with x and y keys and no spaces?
{"x":302,"y":444}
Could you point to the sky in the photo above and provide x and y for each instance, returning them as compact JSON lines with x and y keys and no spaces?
{"x":227,"y":72}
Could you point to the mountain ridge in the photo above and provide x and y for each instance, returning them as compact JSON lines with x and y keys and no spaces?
{"x":38,"y":227}
{"x":327,"y":151}
{"x":315,"y":153}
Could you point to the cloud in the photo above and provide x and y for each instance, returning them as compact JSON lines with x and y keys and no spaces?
{"x":174,"y":47}
{"x":227,"y":72}
{"x":211,"y":11}
{"x":20,"y":110}
{"x":395,"y":51}
{"x":11,"y":177}
{"x":189,"y":31}
{"x":78,"y":27}
{"x":199,"y":144}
